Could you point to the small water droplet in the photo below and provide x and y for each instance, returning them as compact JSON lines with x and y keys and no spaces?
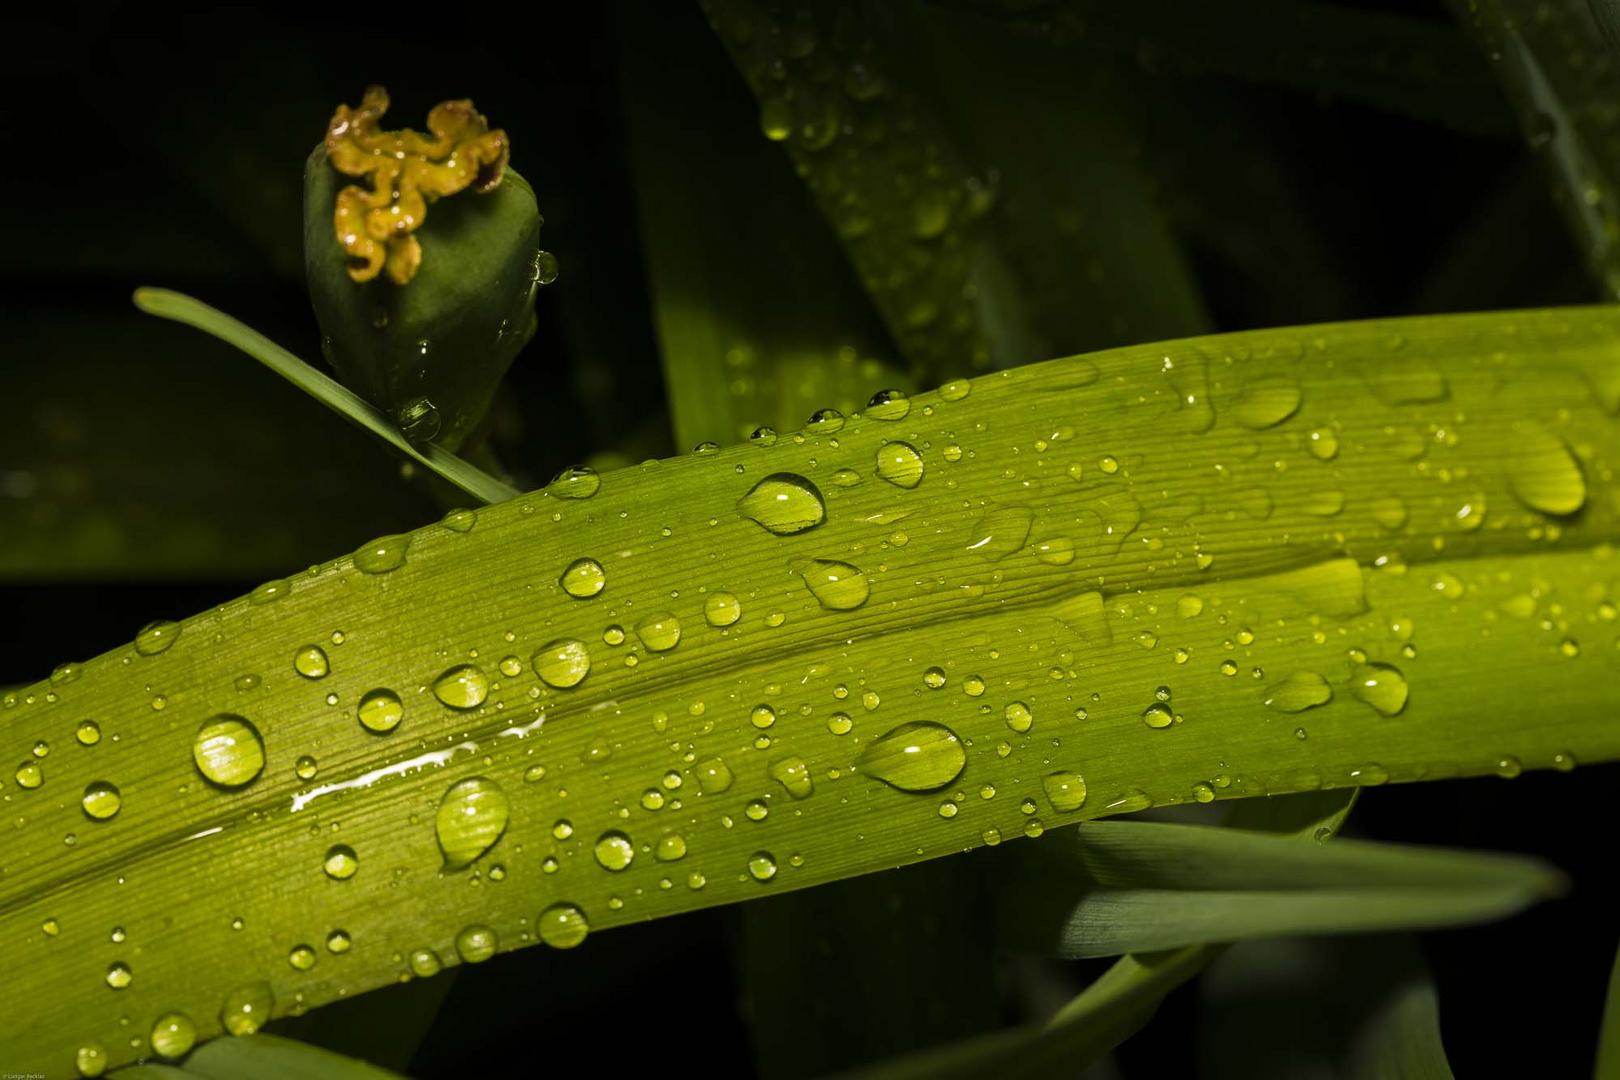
{"x":1158,"y":716}
{"x":562,"y":664}
{"x":889,"y":405}
{"x":156,"y":637}
{"x":118,"y":975}
{"x":563,"y":926}
{"x":578,"y":482}
{"x":659,"y":631}
{"x":917,"y":756}
{"x":476,"y":943}
{"x":380,"y":711}
{"x":713,"y":776}
{"x":824,"y":422}
{"x":419,"y":420}
{"x":425,"y":963}
{"x":310,"y":662}
{"x":583,"y":578}
{"x":1065,"y":790}
{"x":1381,"y":686}
{"x":229,"y":751}
{"x":900,"y":464}
{"x":471,"y":817}
{"x":173,"y":1035}
{"x":1323,"y":444}
{"x":101,"y":800}
{"x":302,"y":957}
{"x":837,"y":586}
{"x":1018,"y":717}
{"x":1300,"y":691}
{"x":1267,"y":403}
{"x":382,"y":555}
{"x":464,"y":686}
{"x":90,"y":1060}
{"x":794,"y":776}
{"x":614,"y":851}
{"x":338,"y":941}
{"x":1001,"y":532}
{"x":722,"y":609}
{"x":461,"y":521}
{"x":340,"y":863}
{"x":1544,"y":474}
{"x":762,"y":866}
{"x":88,"y":733}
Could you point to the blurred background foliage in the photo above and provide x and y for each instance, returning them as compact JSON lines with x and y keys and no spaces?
{"x":1011,"y":180}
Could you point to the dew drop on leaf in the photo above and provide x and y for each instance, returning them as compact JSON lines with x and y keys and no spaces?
{"x":1267,"y":403}
{"x":713,"y":776}
{"x":173,"y":1035}
{"x":762,"y":866}
{"x":476,"y":943}
{"x":425,"y":963}
{"x":464,"y":686}
{"x":579,"y":482}
{"x":1544,"y":474}
{"x":784,"y":503}
{"x":1381,"y":686}
{"x":1300,"y":691}
{"x":1065,"y":790}
{"x":340,"y":863}
{"x":382,"y":555}
{"x":301,"y":957}
{"x":563,"y":926}
{"x":381,"y":711}
{"x":1158,"y":716}
{"x":90,"y":1060}
{"x":1018,"y":717}
{"x":156,"y":637}
{"x":228,"y":751}
{"x":721,"y":609}
{"x":562,"y":664}
{"x":471,"y":817}
{"x":247,"y":1008}
{"x":794,"y":776}
{"x":900,"y":464}
{"x":101,"y":800}
{"x":583,"y":578}
{"x":88,"y":733}
{"x":659,"y":631}
{"x":30,"y":774}
{"x":614,"y":851}
{"x":888,"y":405}
{"x":310,"y":662}
{"x":119,"y":975}
{"x":837,"y":586}
{"x":917,"y":756}
{"x":1001,"y":532}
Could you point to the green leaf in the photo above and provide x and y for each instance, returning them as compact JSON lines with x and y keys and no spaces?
{"x":1608,"y":1053}
{"x":1402,"y":1040}
{"x":261,"y":1057}
{"x":1083,"y":533}
{"x":1139,"y":886}
{"x":328,"y":391}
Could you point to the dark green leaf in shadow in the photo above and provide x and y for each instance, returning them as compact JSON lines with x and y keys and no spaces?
{"x":1608,"y":1052}
{"x":1402,"y":1039}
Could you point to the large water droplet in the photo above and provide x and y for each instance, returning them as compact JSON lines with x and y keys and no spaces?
{"x":1267,"y":403}
{"x":714,"y":776}
{"x":341,"y":863}
{"x":464,"y":686}
{"x":784,"y":503}
{"x":917,"y":756}
{"x":476,"y":943}
{"x":722,"y":609}
{"x":579,"y":482}
{"x":1300,"y":691}
{"x":30,"y":774}
{"x":229,"y":751}
{"x":659,"y":631}
{"x":425,"y":963}
{"x":583,"y":578}
{"x":173,"y":1035}
{"x":563,"y":926}
{"x":247,"y":1008}
{"x":1544,"y":473}
{"x":838,"y":586}
{"x":1381,"y":686}
{"x":472,"y":816}
{"x":156,"y":637}
{"x":562,"y":664}
{"x":614,"y":851}
{"x":762,"y":866}
{"x":381,"y":711}
{"x":888,"y":405}
{"x":310,"y":662}
{"x":794,"y":776}
{"x":90,"y":1059}
{"x":382,"y":555}
{"x":1065,"y":790}
{"x":102,"y":800}
{"x":900,"y":464}
{"x":1001,"y":532}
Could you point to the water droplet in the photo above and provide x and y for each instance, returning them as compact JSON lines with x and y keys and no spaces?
{"x":1001,"y":532}
{"x":419,"y":420}
{"x":302,"y":957}
{"x":1018,"y":717}
{"x":614,"y":851}
{"x":578,"y":482}
{"x":1129,"y":801}
{"x":794,"y":776}
{"x":341,"y":863}
{"x":776,"y":118}
{"x":1544,"y":474}
{"x":382,"y":555}
{"x":90,"y":1059}
{"x":464,"y":686}
{"x":425,"y":963}
{"x":713,"y":776}
{"x":840,"y":724}
{"x":583,"y":578}
{"x":900,"y":464}
{"x":310,"y":662}
{"x":563,"y":926}
{"x":30,"y":775}
{"x":917,"y":756}
{"x":763,"y":436}
{"x":156,"y":637}
{"x":1203,"y":793}
{"x":1065,"y":790}
{"x":784,"y":504}
{"x":173,"y":1035}
{"x":562,"y":664}
{"x":229,"y":751}
{"x":476,"y":943}
{"x":118,"y":975}
{"x":1407,"y":385}
{"x":1389,"y":511}
{"x":889,"y":405}
{"x":762,"y":866}
{"x":1381,"y":686}
{"x":101,"y":800}
{"x":1058,"y":551}
{"x":338,"y":941}
{"x":461,"y":521}
{"x":1158,"y":716}
{"x":1323,"y":444}
{"x":659,"y":631}
{"x":1508,"y":767}
{"x":88,"y":733}
{"x":722,"y":609}
{"x":270,"y":590}
{"x":837,"y":586}
{"x":824,"y":422}
{"x":1300,"y":691}
{"x":380,"y":711}
{"x":1267,"y":403}
{"x":545,"y":268}
{"x":471,"y":817}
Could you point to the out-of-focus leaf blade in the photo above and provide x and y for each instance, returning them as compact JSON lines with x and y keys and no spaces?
{"x":1088,"y":541}
{"x":1402,"y":1040}
{"x":1608,"y":1052}
{"x":266,"y":1057}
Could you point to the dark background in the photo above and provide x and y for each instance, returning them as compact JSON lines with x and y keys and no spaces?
{"x":146,"y":472}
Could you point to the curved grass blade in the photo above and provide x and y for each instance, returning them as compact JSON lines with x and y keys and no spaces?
{"x":1608,"y":1051}
{"x":323,"y":388}
{"x":1141,"y":886}
{"x":634,"y":661}
{"x":1402,"y":1040}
